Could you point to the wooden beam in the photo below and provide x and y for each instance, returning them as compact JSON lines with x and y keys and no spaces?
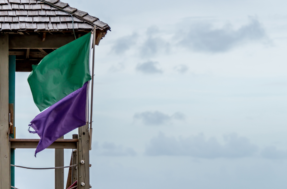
{"x":17,"y":53}
{"x":59,"y":173}
{"x":32,"y":143}
{"x":34,"y":41}
{"x":5,"y":171}
{"x":84,"y":158}
{"x":27,"y":53}
{"x":42,"y":51}
{"x":44,"y":36}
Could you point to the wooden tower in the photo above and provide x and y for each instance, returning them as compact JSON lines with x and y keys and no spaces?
{"x":29,"y":30}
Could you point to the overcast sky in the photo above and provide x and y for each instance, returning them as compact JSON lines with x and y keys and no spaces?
{"x":188,"y":94}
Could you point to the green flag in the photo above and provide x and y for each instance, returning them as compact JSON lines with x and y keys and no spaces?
{"x":61,"y":72}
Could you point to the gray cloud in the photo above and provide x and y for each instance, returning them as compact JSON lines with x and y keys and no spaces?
{"x":158,"y":118}
{"x":111,"y":149}
{"x":153,"y":44}
{"x":123,"y":44}
{"x":181,"y":68}
{"x":272,"y":152}
{"x":206,"y":38}
{"x":201,"y":147}
{"x":149,"y":67}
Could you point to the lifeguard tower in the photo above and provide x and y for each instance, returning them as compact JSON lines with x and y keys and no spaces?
{"x":29,"y":30}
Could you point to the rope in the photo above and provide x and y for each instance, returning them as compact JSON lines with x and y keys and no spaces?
{"x":73,"y":187}
{"x":45,"y":168}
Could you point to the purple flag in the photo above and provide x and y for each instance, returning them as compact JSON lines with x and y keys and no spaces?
{"x":62,"y":117}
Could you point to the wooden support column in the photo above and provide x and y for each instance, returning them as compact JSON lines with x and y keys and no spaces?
{"x":59,"y":173}
{"x":84,"y":158}
{"x":72,"y":174}
{"x":5,"y":171}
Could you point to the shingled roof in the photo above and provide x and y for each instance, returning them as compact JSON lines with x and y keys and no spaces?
{"x":45,"y":15}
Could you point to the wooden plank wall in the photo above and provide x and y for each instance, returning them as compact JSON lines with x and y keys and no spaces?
{"x":5,"y":174}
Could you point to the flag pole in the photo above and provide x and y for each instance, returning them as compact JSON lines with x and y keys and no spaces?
{"x":92,"y":88}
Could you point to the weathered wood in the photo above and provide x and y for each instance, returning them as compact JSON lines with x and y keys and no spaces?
{"x":72,"y":175}
{"x":69,"y":179}
{"x":27,"y":53}
{"x":59,"y":173}
{"x":42,"y":51}
{"x":84,"y":158}
{"x":35,"y":41}
{"x":32,"y":143}
{"x":5,"y":172}
{"x":75,"y":169}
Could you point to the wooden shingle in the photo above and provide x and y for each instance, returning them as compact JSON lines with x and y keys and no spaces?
{"x":41,"y":19}
{"x":6,"y":7}
{"x":5,"y":26}
{"x":15,"y":1}
{"x":3,"y":2}
{"x":61,"y":4}
{"x":70,"y":9}
{"x":90,"y":18}
{"x":14,"y":26}
{"x":11,"y":13}
{"x":15,"y":19}
{"x":3,"y":13}
{"x":66,"y":19}
{"x":8,"y":19}
{"x":80,"y":13}
{"x":33,"y":13}
{"x":41,"y":26}
{"x":42,"y":15}
{"x":52,"y":1}
{"x":25,"y":19}
{"x":15,"y":6}
{"x":25,"y":1}
{"x":31,"y":26}
{"x":50,"y":13}
{"x":21,"y":13}
{"x":55,"y":19}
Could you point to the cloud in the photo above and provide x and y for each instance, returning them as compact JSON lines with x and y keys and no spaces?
{"x":123,"y":44}
{"x":117,"y":67}
{"x":149,"y":67}
{"x":272,"y":152}
{"x":201,"y":147}
{"x":181,"y":68}
{"x":205,"y":38}
{"x":153,"y":44}
{"x":111,"y":149}
{"x":158,"y":118}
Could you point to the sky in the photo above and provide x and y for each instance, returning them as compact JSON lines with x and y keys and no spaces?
{"x":188,"y":94}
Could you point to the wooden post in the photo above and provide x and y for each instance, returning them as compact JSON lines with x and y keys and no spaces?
{"x":84,"y":158}
{"x":72,"y":174}
{"x":5,"y":171}
{"x":59,"y":173}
